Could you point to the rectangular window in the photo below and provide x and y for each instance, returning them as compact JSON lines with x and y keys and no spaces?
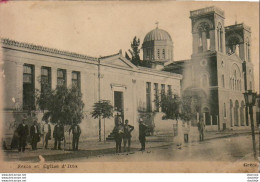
{"x":163,"y":96}
{"x":76,"y":79}
{"x":169,"y":90}
{"x":148,"y":97}
{"x":223,"y":81}
{"x":156,"y":97}
{"x":45,"y":78}
{"x":61,"y":77}
{"x":28,"y":87}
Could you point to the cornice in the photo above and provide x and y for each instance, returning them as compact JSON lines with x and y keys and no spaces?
{"x":33,"y":47}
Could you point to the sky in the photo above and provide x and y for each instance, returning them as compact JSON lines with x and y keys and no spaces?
{"x":103,"y":28}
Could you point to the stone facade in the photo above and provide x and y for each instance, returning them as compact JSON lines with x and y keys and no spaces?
{"x":117,"y":76}
{"x":219,"y":71}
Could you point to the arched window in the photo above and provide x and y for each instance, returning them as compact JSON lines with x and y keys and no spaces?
{"x":223,"y":81}
{"x":220,"y":37}
{"x":233,"y":44}
{"x":163,"y":53}
{"x":158,"y":53}
{"x":200,"y":41}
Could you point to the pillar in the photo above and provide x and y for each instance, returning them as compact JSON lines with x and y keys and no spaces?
{"x":204,"y":41}
{"x":195,"y":43}
{"x":69,"y":78}
{"x":53,"y":78}
{"x":212,"y":40}
{"x":19,"y":84}
{"x":210,"y":119}
{"x":37,"y":77}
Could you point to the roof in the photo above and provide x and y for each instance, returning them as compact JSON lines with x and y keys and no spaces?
{"x":34,"y":47}
{"x":157,"y":34}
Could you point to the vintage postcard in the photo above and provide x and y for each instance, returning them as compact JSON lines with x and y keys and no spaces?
{"x":108,"y":86}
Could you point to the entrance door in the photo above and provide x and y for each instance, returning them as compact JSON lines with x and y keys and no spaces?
{"x":119,"y":105}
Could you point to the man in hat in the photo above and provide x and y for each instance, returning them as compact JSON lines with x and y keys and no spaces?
{"x":35,"y":134}
{"x":76,"y":131}
{"x":23,"y":132}
{"x":142,"y":132}
{"x":58,"y":135}
{"x":119,"y":132}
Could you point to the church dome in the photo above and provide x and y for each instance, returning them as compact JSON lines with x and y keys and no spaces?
{"x":157,"y":34}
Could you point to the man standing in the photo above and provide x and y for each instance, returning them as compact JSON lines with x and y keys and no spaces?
{"x":119,"y":132}
{"x":127,"y":135}
{"x":76,"y":131}
{"x":23,"y":132}
{"x":58,"y":135}
{"x":201,"y":128}
{"x":142,"y":133}
{"x":35,"y":134}
{"x":46,"y":130}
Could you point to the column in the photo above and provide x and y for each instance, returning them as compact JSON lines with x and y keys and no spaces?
{"x":195,"y":43}
{"x":204,"y":41}
{"x":210,"y":119}
{"x":241,"y":51}
{"x":53,"y":78}
{"x":204,"y":118}
{"x":212,"y":40}
{"x":69,"y":78}
{"x":19,"y":84}
{"x":37,"y":78}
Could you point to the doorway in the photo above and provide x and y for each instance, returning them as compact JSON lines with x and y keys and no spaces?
{"x":119,"y":106}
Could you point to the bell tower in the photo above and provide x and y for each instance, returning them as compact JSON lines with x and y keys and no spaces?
{"x":208,"y":33}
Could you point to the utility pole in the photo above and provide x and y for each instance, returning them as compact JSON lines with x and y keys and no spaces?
{"x":99,"y":118}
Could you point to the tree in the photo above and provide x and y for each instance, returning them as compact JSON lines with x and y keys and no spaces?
{"x":171,"y":106}
{"x":62,"y":104}
{"x":135,"y":51}
{"x":102,"y":109}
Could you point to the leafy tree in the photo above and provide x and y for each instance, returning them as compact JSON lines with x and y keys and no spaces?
{"x":62,"y":104}
{"x":43,"y":95}
{"x":102,"y":109}
{"x":135,"y":51}
{"x":171,"y":106}
{"x":191,"y":105}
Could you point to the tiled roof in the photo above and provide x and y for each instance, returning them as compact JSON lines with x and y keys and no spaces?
{"x":46,"y":49}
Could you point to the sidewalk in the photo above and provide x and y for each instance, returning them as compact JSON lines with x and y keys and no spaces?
{"x":94,"y":148}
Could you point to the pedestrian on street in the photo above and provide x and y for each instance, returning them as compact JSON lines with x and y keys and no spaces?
{"x":76,"y":131}
{"x":46,"y":131}
{"x":35,"y":134}
{"x":119,"y":132}
{"x":23,"y":132}
{"x":201,"y":128}
{"x":127,"y":135}
{"x":58,"y":135}
{"x":142,"y":133}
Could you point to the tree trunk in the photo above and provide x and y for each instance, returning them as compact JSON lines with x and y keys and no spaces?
{"x":104,"y":131}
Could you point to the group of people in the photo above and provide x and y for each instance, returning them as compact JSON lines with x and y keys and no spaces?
{"x":122,"y":132}
{"x":35,"y":134}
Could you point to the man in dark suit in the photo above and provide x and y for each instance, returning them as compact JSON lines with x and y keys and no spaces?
{"x":127,"y":135}
{"x":76,"y":131}
{"x":142,"y":133}
{"x":35,"y":134}
{"x":23,"y":132}
{"x":58,"y":135}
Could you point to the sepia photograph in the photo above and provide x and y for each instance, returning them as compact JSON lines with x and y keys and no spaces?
{"x":128,"y":86}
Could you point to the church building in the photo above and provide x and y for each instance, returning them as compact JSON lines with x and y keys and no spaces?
{"x":220,"y":70}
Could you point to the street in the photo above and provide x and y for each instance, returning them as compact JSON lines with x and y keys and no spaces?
{"x":235,"y":147}
{"x":238,"y":148}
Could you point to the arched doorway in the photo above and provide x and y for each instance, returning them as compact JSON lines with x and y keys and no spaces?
{"x":231,"y":113}
{"x":207,"y":115}
{"x":242,"y":115}
{"x":236,"y":118}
